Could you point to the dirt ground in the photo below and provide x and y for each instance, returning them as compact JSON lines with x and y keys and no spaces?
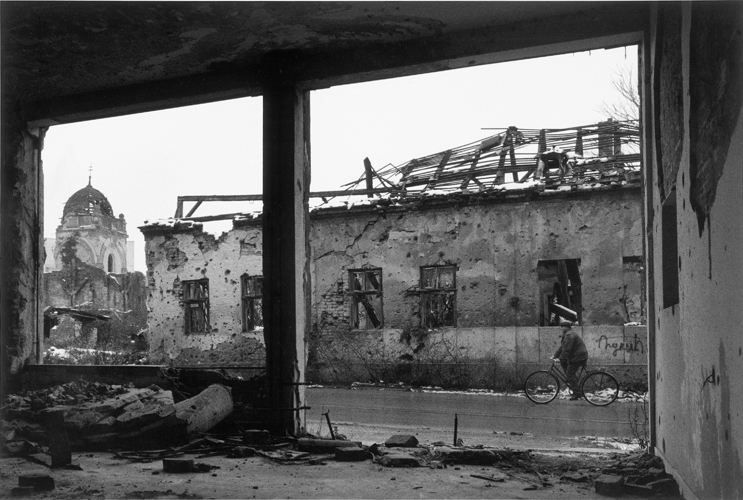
{"x":552,"y":469}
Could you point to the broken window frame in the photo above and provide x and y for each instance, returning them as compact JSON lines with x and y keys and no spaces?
{"x":566,"y":291}
{"x":365,"y":294}
{"x":438,"y":297}
{"x":251,"y":302}
{"x":196,"y":305}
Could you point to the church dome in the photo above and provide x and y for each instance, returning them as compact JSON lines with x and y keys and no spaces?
{"x":88,"y":201}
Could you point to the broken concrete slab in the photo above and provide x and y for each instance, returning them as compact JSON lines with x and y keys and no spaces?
{"x":472,"y":456}
{"x":609,"y":485}
{"x":40,"y":482}
{"x":400,"y":459}
{"x":352,"y":454}
{"x":402,"y":441}
{"x":312,"y":445}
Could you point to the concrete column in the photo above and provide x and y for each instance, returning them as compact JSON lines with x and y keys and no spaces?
{"x":286,"y":285}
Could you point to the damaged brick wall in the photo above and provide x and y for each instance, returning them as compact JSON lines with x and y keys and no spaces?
{"x":496,"y":247}
{"x":495,"y":243}
{"x":182,"y":253}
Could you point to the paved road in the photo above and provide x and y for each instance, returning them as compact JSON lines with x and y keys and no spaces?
{"x":477,"y":413}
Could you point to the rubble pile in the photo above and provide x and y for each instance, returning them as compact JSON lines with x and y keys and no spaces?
{"x":96,"y":415}
{"x":636,"y":474}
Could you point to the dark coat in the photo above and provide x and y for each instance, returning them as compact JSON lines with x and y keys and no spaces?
{"x":572,"y":348}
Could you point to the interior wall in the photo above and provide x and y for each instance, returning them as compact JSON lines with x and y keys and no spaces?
{"x":21,"y":227}
{"x":699,"y":341}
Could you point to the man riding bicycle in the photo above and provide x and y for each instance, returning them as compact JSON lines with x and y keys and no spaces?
{"x":572,"y":354}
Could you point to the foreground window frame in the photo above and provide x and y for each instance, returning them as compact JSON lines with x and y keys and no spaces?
{"x":438,"y":296}
{"x":196,"y":305}
{"x":366,"y":298}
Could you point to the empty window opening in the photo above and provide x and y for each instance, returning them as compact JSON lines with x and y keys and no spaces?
{"x":111,"y":263}
{"x":366,"y":298}
{"x":438,"y":291}
{"x":196,"y":302}
{"x":670,"y":254}
{"x":252,"y":302}
{"x":633,"y":297}
{"x":560,"y":290}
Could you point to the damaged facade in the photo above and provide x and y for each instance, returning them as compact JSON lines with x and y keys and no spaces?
{"x":86,"y":274}
{"x":416,"y":285}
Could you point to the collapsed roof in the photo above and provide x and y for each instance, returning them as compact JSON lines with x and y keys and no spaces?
{"x":603,"y":152}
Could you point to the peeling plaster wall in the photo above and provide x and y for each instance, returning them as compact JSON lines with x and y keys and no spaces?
{"x":698,"y":347}
{"x":495,"y":245}
{"x":175,"y":255}
{"x":21,"y":202}
{"x":496,"y":248}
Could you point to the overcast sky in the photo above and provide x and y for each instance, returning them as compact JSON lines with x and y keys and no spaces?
{"x":143,"y":162}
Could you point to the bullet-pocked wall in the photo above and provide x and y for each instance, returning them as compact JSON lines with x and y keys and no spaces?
{"x":371,"y":314}
{"x":194,"y":295}
{"x":694,"y":227}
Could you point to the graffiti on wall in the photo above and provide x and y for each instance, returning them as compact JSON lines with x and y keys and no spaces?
{"x":618,"y":344}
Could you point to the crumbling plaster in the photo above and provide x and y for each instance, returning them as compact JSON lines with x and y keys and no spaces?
{"x":496,"y":247}
{"x":495,"y":243}
{"x":699,"y":341}
{"x":174,"y":255}
{"x":22,"y":246}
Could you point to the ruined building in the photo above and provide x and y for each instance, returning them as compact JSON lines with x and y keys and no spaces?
{"x":690,"y":79}
{"x":88,"y":284}
{"x":100,"y":236}
{"x":460,"y":261}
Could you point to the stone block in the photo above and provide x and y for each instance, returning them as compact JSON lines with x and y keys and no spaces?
{"x":22,"y":491}
{"x":400,"y":459}
{"x":609,"y":485}
{"x":472,"y":456}
{"x":40,"y":482}
{"x":351,"y":454}
{"x":401,"y":441}
{"x":324,"y":445}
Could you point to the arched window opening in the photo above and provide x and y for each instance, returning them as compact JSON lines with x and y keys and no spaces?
{"x":110,"y":263}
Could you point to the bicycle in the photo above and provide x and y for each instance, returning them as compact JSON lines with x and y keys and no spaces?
{"x":598,"y":387}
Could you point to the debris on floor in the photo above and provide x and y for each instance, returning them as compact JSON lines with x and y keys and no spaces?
{"x":81,"y":415}
{"x":640,"y":474}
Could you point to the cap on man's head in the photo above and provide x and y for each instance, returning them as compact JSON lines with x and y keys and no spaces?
{"x":566,"y":323}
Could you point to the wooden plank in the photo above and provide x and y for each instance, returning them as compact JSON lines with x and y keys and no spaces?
{"x":439,"y":169}
{"x":470,"y":172}
{"x":368,"y":171}
{"x":197,"y":205}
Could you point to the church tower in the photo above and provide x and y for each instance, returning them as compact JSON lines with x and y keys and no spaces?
{"x":101,"y":237}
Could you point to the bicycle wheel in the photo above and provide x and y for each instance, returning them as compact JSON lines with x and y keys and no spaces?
{"x":600,"y":388}
{"x":541,"y":387}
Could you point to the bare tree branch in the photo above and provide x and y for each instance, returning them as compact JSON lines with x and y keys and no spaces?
{"x":626,"y":106}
